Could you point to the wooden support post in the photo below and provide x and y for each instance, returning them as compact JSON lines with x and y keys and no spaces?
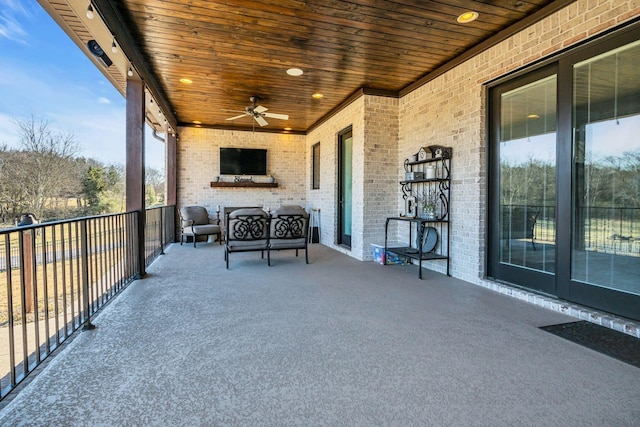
{"x":135,"y":163}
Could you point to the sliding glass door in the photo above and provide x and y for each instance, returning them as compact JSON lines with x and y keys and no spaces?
{"x":524,"y":147}
{"x":564,"y":177}
{"x":605,"y":252}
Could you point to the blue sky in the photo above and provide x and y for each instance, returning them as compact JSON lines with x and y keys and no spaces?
{"x":45,"y":75}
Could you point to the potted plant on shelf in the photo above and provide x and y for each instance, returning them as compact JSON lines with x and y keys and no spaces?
{"x":429,"y":202}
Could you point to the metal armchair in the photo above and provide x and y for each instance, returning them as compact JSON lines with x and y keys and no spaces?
{"x":195,"y":221}
{"x":246,"y":230}
{"x":288,"y":230}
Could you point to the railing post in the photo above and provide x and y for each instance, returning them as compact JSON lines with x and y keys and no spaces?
{"x":27,"y":268}
{"x":84,"y":253}
{"x":161,"y":231}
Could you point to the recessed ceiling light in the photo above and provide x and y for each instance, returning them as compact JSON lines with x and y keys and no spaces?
{"x":186,"y":81}
{"x":317,"y":95}
{"x":467,"y":17}
{"x":295,"y":72}
{"x":197,"y":122}
{"x":533,"y":116}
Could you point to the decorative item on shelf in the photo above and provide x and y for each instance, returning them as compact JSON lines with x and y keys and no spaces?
{"x":439,"y":151}
{"x":271,"y":178}
{"x":412,"y":176}
{"x":216,"y":179}
{"x":413,"y":158}
{"x":243,"y":179}
{"x":429,"y":202}
{"x":425,"y":153}
{"x":410,"y":206}
{"x":430,"y":172}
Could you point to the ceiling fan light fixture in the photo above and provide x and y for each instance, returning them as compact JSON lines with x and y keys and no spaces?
{"x":317,"y":95}
{"x":295,"y":72}
{"x":467,"y":17}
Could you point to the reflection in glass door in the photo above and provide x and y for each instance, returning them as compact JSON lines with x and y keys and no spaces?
{"x":345,"y":170}
{"x":606,"y":171}
{"x":525,"y":199}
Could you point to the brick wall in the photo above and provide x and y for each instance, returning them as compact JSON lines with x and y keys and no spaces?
{"x":198,"y":163}
{"x":450,"y":111}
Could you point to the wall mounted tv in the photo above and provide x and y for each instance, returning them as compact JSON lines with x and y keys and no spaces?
{"x":243,"y":161}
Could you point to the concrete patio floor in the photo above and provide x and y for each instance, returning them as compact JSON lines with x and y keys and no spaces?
{"x":337,"y":342}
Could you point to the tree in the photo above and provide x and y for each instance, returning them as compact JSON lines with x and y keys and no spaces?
{"x":98,"y":187}
{"x":45,"y":164}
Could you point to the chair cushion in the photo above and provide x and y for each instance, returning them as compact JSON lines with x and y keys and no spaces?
{"x":247,"y":245}
{"x":290,"y":210}
{"x":197,"y":214}
{"x":247,"y":211}
{"x":202,"y":229}
{"x":287,"y":243}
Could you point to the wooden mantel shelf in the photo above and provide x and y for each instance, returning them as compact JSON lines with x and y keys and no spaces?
{"x":245,"y":184}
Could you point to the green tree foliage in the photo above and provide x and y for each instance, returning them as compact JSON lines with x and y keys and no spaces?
{"x":99,"y":187}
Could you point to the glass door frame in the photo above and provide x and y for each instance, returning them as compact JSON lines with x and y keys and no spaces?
{"x":602,"y":298}
{"x":343,"y":239}
{"x":615,"y":301}
{"x":532,"y":279}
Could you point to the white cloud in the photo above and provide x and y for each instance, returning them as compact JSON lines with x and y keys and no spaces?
{"x":10,"y":27}
{"x":103,"y":100}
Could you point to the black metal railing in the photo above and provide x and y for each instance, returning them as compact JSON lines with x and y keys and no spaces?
{"x":159,"y":230}
{"x":602,"y":229}
{"x":55,"y":276}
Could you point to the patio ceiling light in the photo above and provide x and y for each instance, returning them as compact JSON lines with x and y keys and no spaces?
{"x":467,"y":17}
{"x":90,"y":13}
{"x":533,"y":116}
{"x":295,"y":72}
{"x":197,"y":122}
{"x":114,"y":46}
{"x":317,"y":95}
{"x":186,"y":81}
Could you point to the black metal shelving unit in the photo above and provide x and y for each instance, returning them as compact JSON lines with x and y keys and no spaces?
{"x":419,"y":226}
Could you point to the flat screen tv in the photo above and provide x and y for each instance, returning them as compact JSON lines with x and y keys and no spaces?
{"x":243,"y":161}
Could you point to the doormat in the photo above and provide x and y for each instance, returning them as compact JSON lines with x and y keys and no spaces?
{"x":607,"y":341}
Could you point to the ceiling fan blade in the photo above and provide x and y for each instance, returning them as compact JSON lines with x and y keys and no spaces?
{"x":276,"y":116}
{"x":261,"y":121}
{"x":237,"y":117}
{"x":260,"y":109}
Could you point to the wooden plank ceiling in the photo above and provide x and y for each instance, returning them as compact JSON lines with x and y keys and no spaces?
{"x":234,"y":49}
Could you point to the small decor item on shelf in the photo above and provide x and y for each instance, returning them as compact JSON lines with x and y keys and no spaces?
{"x":413,"y":158}
{"x":424,"y":153}
{"x":430,"y":172}
{"x":410,"y":205}
{"x":411,"y":176}
{"x":243,"y":179}
{"x":429,"y":202}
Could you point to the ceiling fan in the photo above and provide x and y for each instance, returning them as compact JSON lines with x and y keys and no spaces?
{"x":258,"y":112}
